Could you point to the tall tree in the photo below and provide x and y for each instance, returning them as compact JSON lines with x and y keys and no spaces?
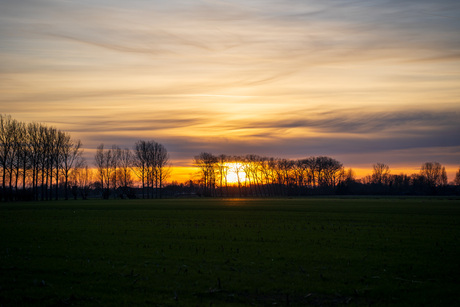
{"x":104,"y":164}
{"x":433,"y":174}
{"x":328,"y":170}
{"x":115,"y":164}
{"x":24,"y":157}
{"x":71,"y":158}
{"x":81,"y":179}
{"x":50,"y":139}
{"x":222,"y":169}
{"x":20,"y":155}
{"x":162,"y":169}
{"x":99,"y":160}
{"x":381,"y":173}
{"x":206,"y":162}
{"x":33,"y":130}
{"x":58,"y":157}
{"x":457,"y":177}
{"x":7,"y":136}
{"x":141,"y":162}
{"x":125,"y":170}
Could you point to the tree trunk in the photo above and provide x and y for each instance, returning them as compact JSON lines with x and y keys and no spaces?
{"x":66,"y":177}
{"x":24,"y":166}
{"x":57,"y":182}
{"x":4,"y":182}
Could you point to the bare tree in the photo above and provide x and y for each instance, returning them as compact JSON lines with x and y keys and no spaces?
{"x":99,"y":159}
{"x":20,"y":155}
{"x":327,"y":171}
{"x":237,"y":168}
{"x":206,"y":162}
{"x":31,"y":155}
{"x":381,"y":173}
{"x":125,"y":171}
{"x":7,"y":135}
{"x":33,"y":130}
{"x":85,"y":181}
{"x":81,"y":179}
{"x":346,"y":177}
{"x":50,"y":138}
{"x":24,"y":159}
{"x":253,"y":170}
{"x":141,"y":162}
{"x":115,"y":164}
{"x":457,"y":177}
{"x":434,"y":174}
{"x":150,"y":164}
{"x":162,"y":168}
{"x":71,"y":158}
{"x":222,"y":169}
{"x":104,"y":164}
{"x":312,"y":170}
{"x":264,"y":168}
{"x":58,"y":157}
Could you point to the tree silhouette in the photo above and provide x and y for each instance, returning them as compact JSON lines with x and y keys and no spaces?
{"x":33,"y":157}
{"x":140,"y":162}
{"x":71,"y":158}
{"x":41,"y":163}
{"x":81,"y":179}
{"x":7,"y":135}
{"x":457,"y":177}
{"x":381,"y":173}
{"x":103,"y":159}
{"x":150,"y":163}
{"x":206,"y":162}
{"x":125,"y":171}
{"x":433,"y":174}
{"x":162,"y":170}
{"x":222,"y":169}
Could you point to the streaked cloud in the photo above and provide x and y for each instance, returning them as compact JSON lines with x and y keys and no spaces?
{"x":350,"y":79}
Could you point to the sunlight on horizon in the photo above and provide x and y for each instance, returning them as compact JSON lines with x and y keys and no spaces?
{"x":235,"y":173}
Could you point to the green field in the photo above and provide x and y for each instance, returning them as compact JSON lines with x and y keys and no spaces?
{"x":231,"y":252}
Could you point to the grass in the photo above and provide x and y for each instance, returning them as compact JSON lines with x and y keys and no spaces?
{"x":231,"y":252}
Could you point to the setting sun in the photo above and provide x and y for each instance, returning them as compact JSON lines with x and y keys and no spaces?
{"x":235,"y":173}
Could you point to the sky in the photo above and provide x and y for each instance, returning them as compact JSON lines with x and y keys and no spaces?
{"x":360,"y":81}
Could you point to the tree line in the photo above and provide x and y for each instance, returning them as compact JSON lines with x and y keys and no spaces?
{"x":431,"y":179}
{"x":39,"y":162}
{"x":267,"y":176}
{"x":116,"y":169}
{"x":35,"y":159}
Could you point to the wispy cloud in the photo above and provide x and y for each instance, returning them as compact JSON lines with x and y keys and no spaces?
{"x":293,"y":78}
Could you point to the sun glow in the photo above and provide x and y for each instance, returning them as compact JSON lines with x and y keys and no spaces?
{"x":234,"y":173}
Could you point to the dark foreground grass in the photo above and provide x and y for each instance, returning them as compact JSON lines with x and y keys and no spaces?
{"x":231,"y":252}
